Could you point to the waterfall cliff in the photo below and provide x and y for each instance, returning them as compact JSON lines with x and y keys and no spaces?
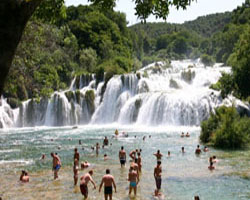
{"x":159,"y":94}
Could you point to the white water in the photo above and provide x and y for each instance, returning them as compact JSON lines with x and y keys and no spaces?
{"x":178,"y":95}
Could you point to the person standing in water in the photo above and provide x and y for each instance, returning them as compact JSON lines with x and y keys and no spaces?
{"x":198,"y":150}
{"x":56,"y":164}
{"x":24,"y":177}
{"x":76,"y":156}
{"x":133,"y":179}
{"x":105,"y":141}
{"x":157,"y":175}
{"x":84,"y":183}
{"x":97,"y":147}
{"x":139,"y":161}
{"x":158,"y":155}
{"x":109,"y":182}
{"x":122,"y":156}
{"x":75,"y":171}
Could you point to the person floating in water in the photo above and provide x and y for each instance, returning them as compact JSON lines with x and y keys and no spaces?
{"x":105,"y":141}
{"x":205,"y":149}
{"x":122,"y":156}
{"x":56,"y":164}
{"x":158,"y":155}
{"x":198,"y":150}
{"x":157,"y":175}
{"x":133,"y":179}
{"x":75,"y":171}
{"x":109,"y":182}
{"x":84,"y":183}
{"x":85,"y":164}
{"x":24,"y":177}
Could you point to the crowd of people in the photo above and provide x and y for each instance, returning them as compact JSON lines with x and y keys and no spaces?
{"x":108,"y":180}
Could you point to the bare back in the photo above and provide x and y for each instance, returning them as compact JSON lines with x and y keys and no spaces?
{"x":108,"y":180}
{"x":85,"y":179}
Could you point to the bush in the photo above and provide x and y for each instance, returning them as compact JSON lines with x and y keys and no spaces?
{"x":226,"y":129}
{"x":207,"y":60}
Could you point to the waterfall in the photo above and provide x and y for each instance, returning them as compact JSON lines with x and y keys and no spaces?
{"x":158,"y":94}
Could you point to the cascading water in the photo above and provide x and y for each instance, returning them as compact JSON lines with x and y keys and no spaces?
{"x":156,"y":95}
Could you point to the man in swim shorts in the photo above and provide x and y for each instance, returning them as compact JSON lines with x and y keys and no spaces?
{"x":122,"y":156}
{"x":108,"y":181}
{"x":133,"y":178}
{"x":56,"y":164}
{"x":157,"y":175}
{"x":84,"y":183}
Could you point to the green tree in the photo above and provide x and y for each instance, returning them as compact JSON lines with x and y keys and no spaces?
{"x":88,"y":59}
{"x":14,"y":15}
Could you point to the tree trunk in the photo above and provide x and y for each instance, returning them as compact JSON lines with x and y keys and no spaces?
{"x":14,"y":15}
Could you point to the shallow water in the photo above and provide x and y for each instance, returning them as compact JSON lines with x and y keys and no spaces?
{"x":184,"y":175}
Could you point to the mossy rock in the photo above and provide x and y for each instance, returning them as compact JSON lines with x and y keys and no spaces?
{"x":70,"y":95}
{"x":13,"y":102}
{"x":90,"y":100}
{"x":145,"y":74}
{"x":173,"y":84}
{"x":138,"y":74}
{"x":138,"y":104}
{"x":77,"y":82}
{"x":78,"y":96}
{"x":188,"y":76}
{"x":156,"y":69}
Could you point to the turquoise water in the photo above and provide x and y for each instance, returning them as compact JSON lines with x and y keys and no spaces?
{"x":184,"y":175}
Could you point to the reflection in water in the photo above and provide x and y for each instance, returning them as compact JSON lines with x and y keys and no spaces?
{"x":184,"y":175}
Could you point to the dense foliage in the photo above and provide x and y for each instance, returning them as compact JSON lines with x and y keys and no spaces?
{"x":226,"y":129}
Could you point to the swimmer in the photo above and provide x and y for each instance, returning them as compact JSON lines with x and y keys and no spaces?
{"x":157,"y":175}
{"x":198,"y":150}
{"x":84,"y":183}
{"x":158,"y":155}
{"x":80,"y":142}
{"x":122,"y":156}
{"x":109,"y":182}
{"x":215,"y":160}
{"x":187,"y":135}
{"x":211,"y":167}
{"x":85,"y":164}
{"x":168,"y":153}
{"x":24,"y":177}
{"x":133,"y":179}
{"x":105,"y":141}
{"x":116,"y":132}
{"x":196,"y":198}
{"x":105,"y":157}
{"x":75,"y":171}
{"x":205,"y":149}
{"x":43,"y":157}
{"x":182,"y":150}
{"x":56,"y":164}
{"x":182,"y":135}
{"x":144,"y":137}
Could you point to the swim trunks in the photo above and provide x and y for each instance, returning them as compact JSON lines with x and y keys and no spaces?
{"x":108,"y":190}
{"x":84,"y":190}
{"x":158,"y":182}
{"x":133,"y":184}
{"x":57,"y":167}
{"x":122,"y":161}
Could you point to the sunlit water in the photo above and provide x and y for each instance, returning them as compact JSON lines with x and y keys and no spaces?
{"x":184,"y":175}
